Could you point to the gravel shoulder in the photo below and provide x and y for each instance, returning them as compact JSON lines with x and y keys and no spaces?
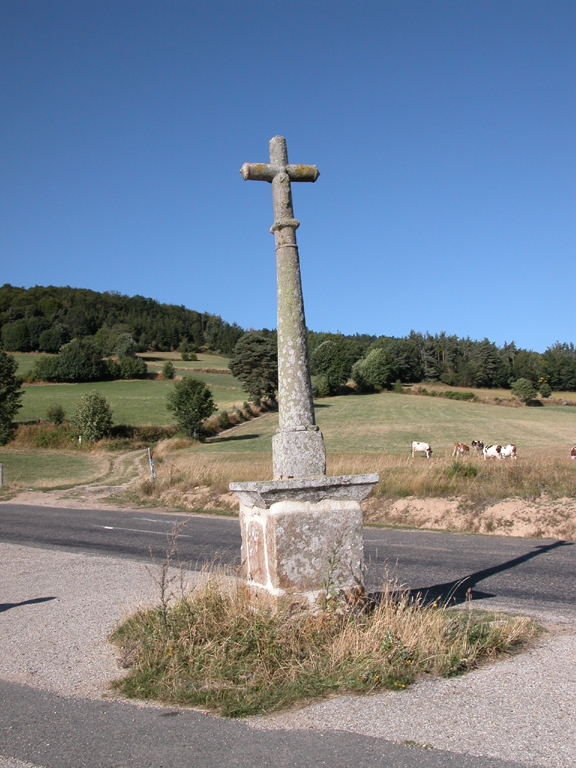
{"x":58,"y":608}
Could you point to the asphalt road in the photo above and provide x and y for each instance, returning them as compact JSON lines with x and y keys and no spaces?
{"x":48,"y":730}
{"x":527,"y":574}
{"x":44,"y":729}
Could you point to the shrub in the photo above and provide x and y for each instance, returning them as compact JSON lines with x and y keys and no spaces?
{"x":93,"y":417}
{"x":55,"y":414}
{"x":191,"y":402}
{"x":320,"y":386}
{"x":545,"y":389}
{"x":133,"y":368}
{"x":185,"y":356}
{"x":376,"y":371}
{"x":126,"y":347}
{"x":80,"y":360}
{"x":45,"y":369}
{"x":224,"y":420}
{"x":524,"y":390}
{"x":334,"y":359}
{"x":168,"y":370}
{"x":112,"y":369}
{"x":10,"y":395}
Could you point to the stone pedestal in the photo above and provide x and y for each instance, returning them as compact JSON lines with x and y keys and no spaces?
{"x":303,"y":538}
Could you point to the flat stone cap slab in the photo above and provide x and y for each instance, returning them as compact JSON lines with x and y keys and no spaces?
{"x":267,"y":492}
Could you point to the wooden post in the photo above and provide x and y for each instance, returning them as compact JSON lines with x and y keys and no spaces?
{"x":1,"y":475}
{"x":151,"y":462}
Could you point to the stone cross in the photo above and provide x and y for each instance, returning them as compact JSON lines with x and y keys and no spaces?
{"x":298,"y":447}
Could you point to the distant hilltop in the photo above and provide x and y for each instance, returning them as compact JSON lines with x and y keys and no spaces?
{"x":44,"y":318}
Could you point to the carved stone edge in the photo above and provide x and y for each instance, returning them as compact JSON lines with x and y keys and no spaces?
{"x":313,"y":489}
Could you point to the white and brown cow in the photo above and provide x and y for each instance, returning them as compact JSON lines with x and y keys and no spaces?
{"x":508,"y":451}
{"x":477,"y":446}
{"x":460,"y":449}
{"x":422,"y":448}
{"x":573,"y":453}
{"x":492,"y":452}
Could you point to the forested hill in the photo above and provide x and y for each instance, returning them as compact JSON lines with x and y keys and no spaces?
{"x":46,"y":318}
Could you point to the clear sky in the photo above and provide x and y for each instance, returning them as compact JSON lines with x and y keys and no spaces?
{"x":444,"y":132}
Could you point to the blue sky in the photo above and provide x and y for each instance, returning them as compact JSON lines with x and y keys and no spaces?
{"x":443,"y":132}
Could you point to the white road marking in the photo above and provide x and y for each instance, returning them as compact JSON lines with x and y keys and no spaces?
{"x":139,"y":530}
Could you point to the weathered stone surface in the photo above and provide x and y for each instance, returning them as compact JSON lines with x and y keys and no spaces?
{"x":264,"y":493}
{"x":302,"y":549}
{"x":301,"y":533}
{"x":299,"y":455}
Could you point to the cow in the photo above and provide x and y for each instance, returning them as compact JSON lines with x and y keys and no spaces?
{"x":421,"y":447}
{"x":460,"y":449}
{"x":508,"y":451}
{"x":573,"y":453}
{"x":477,"y":446}
{"x":492,"y":452}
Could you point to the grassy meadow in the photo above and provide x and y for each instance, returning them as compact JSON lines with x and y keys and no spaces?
{"x":363,"y":433}
{"x":388,"y":422}
{"x":141,"y":401}
{"x":44,"y":470}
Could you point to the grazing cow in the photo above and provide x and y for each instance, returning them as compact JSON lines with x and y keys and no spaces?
{"x":573,"y":453}
{"x":508,"y":451}
{"x":492,"y":452}
{"x":477,"y":446}
{"x":422,"y":447}
{"x":460,"y":449}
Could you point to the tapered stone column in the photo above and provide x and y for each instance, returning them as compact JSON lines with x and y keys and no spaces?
{"x":302,"y":531}
{"x":298,"y":448}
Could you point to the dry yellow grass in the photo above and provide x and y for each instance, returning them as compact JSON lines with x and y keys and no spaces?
{"x":215,"y":648}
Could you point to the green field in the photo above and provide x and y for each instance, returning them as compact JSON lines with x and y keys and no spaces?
{"x":132,"y":402}
{"x":155,"y":361}
{"x":387,"y":423}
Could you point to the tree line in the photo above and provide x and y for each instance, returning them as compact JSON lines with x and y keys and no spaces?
{"x":377,"y":363}
{"x":99,"y":325}
{"x":45,"y":318}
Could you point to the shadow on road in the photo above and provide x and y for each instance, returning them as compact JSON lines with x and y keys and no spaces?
{"x":455,"y":592}
{"x":7,"y":606}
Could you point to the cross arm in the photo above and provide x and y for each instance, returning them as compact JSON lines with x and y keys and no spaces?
{"x":267,"y":172}
{"x":302,"y":172}
{"x":258,"y":172}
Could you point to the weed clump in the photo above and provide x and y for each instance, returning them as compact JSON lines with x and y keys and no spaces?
{"x":213,"y":647}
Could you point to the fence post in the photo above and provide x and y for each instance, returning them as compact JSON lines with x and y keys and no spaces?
{"x":1,"y":475}
{"x":151,"y":462}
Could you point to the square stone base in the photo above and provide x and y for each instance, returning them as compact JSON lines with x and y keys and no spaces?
{"x":303,"y":550}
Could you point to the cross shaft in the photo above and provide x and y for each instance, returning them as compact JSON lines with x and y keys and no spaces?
{"x":298,"y":447}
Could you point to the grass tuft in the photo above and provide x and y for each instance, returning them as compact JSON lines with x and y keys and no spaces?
{"x":214,"y":648}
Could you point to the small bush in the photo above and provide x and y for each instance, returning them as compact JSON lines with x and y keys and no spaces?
{"x":93,"y":417}
{"x":460,"y":469}
{"x":133,"y":368}
{"x":545,"y":389}
{"x":224,"y":420}
{"x":524,"y":390}
{"x":191,"y":402}
{"x":185,"y":356}
{"x":320,"y":386}
{"x":398,"y":387}
{"x":168,"y":370}
{"x":55,"y":414}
